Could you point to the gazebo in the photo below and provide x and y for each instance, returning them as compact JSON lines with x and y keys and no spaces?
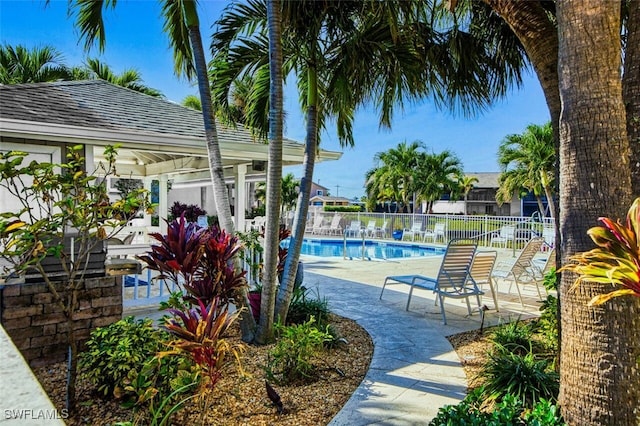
{"x":159,"y":140}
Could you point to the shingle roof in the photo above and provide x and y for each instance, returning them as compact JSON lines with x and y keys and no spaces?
{"x":485,"y":179}
{"x":101,"y":105}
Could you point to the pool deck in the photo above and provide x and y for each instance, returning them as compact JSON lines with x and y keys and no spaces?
{"x":414,"y":370}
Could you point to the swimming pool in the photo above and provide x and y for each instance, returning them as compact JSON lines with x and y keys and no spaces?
{"x":372,"y":249}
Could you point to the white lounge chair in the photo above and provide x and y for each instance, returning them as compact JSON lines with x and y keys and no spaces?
{"x":316,"y":228}
{"x":334,"y":227}
{"x":523,"y":270}
{"x":481,"y":271}
{"x":381,"y":231}
{"x":370,"y":230}
{"x":439,"y":231}
{"x":453,"y":279}
{"x":353,"y":229}
{"x":502,"y":238}
{"x":414,"y":231}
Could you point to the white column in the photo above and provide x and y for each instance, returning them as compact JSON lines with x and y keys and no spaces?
{"x":240,"y":172}
{"x":89,"y":159}
{"x":163,"y":204}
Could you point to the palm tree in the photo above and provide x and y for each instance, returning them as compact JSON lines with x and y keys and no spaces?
{"x":466,"y":184}
{"x":529,"y":160}
{"x":192,"y":101}
{"x":397,"y":169}
{"x":129,"y":78}
{"x":22,"y":65}
{"x":182,"y":26}
{"x":264,"y":333}
{"x":350,"y":52}
{"x":437,"y":174}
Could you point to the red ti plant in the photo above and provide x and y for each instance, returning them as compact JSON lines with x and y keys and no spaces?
{"x":616,"y":260}
{"x":199,"y":333}
{"x":199,"y":260}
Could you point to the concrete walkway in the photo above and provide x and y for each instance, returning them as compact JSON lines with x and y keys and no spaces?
{"x":414,"y":370}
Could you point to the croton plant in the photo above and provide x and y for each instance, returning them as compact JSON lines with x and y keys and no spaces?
{"x":616,"y":260}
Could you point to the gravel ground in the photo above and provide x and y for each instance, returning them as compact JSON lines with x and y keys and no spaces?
{"x":238,"y":400}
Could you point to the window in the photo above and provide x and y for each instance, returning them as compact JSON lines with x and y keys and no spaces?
{"x":319,"y":192}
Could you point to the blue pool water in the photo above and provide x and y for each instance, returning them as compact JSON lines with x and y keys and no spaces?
{"x":372,"y":249}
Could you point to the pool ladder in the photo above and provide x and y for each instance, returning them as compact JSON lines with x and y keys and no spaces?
{"x":344,"y":245}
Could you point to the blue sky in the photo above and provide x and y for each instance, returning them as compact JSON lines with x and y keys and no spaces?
{"x":135,"y":40}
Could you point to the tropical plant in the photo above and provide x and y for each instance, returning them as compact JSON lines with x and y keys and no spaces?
{"x":332,"y":48}
{"x":120,"y":359}
{"x":466,"y":184}
{"x":291,"y":358}
{"x":514,"y":336}
{"x":18,"y":64}
{"x":616,"y":261}
{"x":198,"y":260}
{"x":199,"y":332}
{"x":58,"y":202}
{"x":529,"y":161}
{"x":289,"y":187}
{"x":509,"y":411}
{"x":435,"y":175}
{"x":193,"y":102}
{"x":129,"y":78}
{"x":303,"y":308}
{"x":191,"y":211}
{"x":523,"y":376}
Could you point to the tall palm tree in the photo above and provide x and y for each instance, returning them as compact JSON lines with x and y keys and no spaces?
{"x":350,"y":52}
{"x":18,"y":64}
{"x":466,"y":184}
{"x":397,"y":169}
{"x":183,"y":28}
{"x":264,"y":333}
{"x":437,"y":174}
{"x":529,"y":159}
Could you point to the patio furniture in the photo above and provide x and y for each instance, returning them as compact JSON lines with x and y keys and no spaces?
{"x":316,"y":228}
{"x":334,"y":227}
{"x":415,"y":230}
{"x":453,"y":279}
{"x":370,"y":229}
{"x":506,"y":234}
{"x":439,"y":231}
{"x":481,"y":270}
{"x":381,"y":231}
{"x":523,"y":270}
{"x":353,"y":229}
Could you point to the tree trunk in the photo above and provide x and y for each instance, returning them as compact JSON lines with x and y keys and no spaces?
{"x":264,"y":333}
{"x":631,"y":90}
{"x":220,"y":194}
{"x":599,"y":373}
{"x":302,"y":209}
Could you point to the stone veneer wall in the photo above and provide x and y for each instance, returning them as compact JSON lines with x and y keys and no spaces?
{"x":38,"y":327}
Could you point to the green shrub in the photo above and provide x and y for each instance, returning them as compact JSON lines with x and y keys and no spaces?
{"x":523,"y":376}
{"x":291,"y":358}
{"x":514,"y":336}
{"x":120,"y":360}
{"x":547,"y":325}
{"x":509,"y":411}
{"x":348,"y":209}
{"x":302,"y":308}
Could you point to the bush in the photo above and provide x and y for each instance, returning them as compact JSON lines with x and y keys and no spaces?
{"x":347,"y":209}
{"x":527,"y":378}
{"x":514,"y":336}
{"x":303,"y":308}
{"x":509,"y":411}
{"x":291,"y":358}
{"x":120,"y":360}
{"x":191,"y":211}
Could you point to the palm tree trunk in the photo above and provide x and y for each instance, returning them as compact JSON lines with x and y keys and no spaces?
{"x":264,"y":333}
{"x":599,"y":372}
{"x":220,"y":194}
{"x":302,"y":209}
{"x":631,"y":90}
